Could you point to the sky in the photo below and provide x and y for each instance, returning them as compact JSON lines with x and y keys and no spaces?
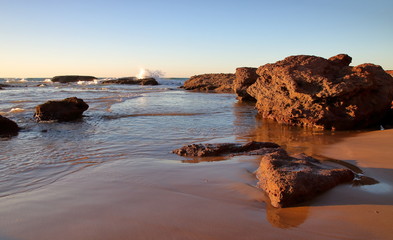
{"x":182,"y":38}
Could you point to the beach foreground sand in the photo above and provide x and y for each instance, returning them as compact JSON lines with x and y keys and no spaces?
{"x":204,"y":201}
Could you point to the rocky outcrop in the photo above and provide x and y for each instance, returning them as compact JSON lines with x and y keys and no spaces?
{"x":312,"y":91}
{"x":8,"y":127}
{"x":72,"y":78}
{"x":68,"y":109}
{"x":390,"y":72}
{"x":214,"y":82}
{"x":289,"y":180}
{"x":245,"y":77}
{"x":132,"y":81}
{"x":217,"y":149}
{"x":286,"y":180}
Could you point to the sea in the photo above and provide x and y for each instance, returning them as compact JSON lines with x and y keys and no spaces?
{"x":119,"y":157}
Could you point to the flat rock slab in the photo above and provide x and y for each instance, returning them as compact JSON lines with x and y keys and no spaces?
{"x":72,"y":78}
{"x":132,"y":81}
{"x":291,"y":180}
{"x":218,"y":149}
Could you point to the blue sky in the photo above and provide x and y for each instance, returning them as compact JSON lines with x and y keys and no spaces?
{"x":182,"y":38}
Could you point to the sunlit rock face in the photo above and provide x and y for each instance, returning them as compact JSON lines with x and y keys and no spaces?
{"x":215,"y":82}
{"x":312,"y":91}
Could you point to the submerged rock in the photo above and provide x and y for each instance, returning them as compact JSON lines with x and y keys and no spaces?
{"x":217,"y":149}
{"x":68,"y":109}
{"x":245,"y":77}
{"x":8,"y":127}
{"x":289,"y":180}
{"x":312,"y":91}
{"x":214,"y":82}
{"x":132,"y":81}
{"x":72,"y":78}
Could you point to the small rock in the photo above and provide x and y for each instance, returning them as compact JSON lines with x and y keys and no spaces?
{"x":8,"y":127}
{"x":68,"y":109}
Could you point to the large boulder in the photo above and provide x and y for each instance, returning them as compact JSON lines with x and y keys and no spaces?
{"x":214,"y":82}
{"x":72,"y":78}
{"x":245,"y":77}
{"x":312,"y":91}
{"x":8,"y":127}
{"x":68,"y":109}
{"x":132,"y":81}
{"x":217,"y":149}
{"x":289,"y":181}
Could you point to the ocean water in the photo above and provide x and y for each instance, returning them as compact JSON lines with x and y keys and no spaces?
{"x":123,"y":123}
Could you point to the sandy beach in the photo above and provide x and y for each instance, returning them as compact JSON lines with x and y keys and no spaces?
{"x":205,"y":201}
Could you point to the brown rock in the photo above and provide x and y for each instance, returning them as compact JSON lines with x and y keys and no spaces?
{"x":132,"y":81}
{"x":217,"y":149}
{"x":390,"y":72}
{"x":68,"y":109}
{"x":289,"y":181}
{"x":342,"y":60}
{"x":245,"y":77}
{"x":315,"y":92}
{"x":8,"y":127}
{"x":214,"y":82}
{"x":72,"y":78}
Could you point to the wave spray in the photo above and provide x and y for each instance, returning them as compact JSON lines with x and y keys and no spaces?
{"x":146,"y":73}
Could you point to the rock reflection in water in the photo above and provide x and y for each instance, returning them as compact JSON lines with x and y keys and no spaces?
{"x":286,"y":217}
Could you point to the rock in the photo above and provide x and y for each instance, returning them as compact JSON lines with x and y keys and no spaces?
{"x":312,"y":91}
{"x":390,"y":72}
{"x":214,"y":82}
{"x":132,"y":81}
{"x":245,"y":77}
{"x":72,"y":78}
{"x":217,"y":149}
{"x":8,"y":127}
{"x":342,"y":60}
{"x":289,"y":180}
{"x":68,"y":109}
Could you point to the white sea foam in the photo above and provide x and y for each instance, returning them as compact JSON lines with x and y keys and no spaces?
{"x":48,"y":80}
{"x":94,"y":82}
{"x":13,"y":110}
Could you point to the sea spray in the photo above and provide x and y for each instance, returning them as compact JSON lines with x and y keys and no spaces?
{"x":145,"y":73}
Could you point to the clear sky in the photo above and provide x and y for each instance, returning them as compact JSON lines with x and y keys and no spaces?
{"x":113,"y":38}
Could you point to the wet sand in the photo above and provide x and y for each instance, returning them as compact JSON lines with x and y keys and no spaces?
{"x":168,"y":200}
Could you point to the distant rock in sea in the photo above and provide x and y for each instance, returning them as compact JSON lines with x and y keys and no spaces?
{"x":65,"y":110}
{"x":214,"y":82}
{"x":311,"y":91}
{"x":72,"y":78}
{"x":8,"y":127}
{"x":132,"y":81}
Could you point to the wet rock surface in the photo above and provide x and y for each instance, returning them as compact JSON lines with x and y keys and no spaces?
{"x":312,"y":91}
{"x":245,"y":77}
{"x":218,"y":149}
{"x":72,"y":78}
{"x":8,"y":127}
{"x":132,"y":81}
{"x":68,"y":109}
{"x":292,"y":180}
{"x":215,"y":82}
